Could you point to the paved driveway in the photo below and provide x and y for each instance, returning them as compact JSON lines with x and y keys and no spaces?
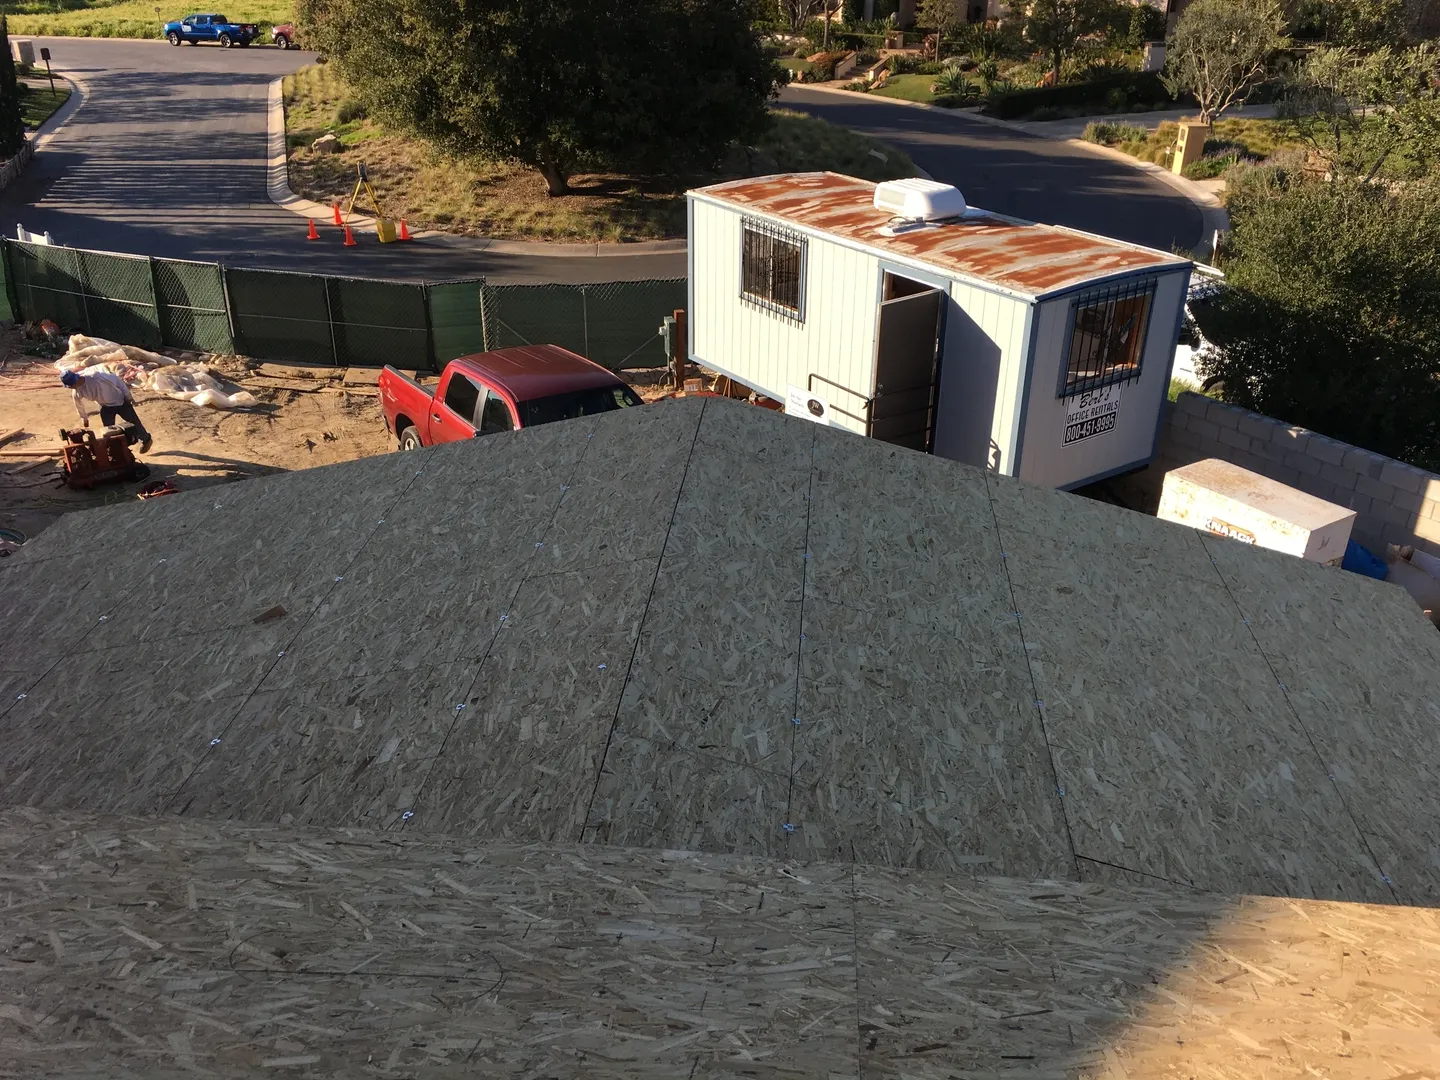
{"x":167,"y":157}
{"x":1012,"y":172}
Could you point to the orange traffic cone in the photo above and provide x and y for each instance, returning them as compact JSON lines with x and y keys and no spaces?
{"x":349,"y":237}
{"x":338,"y":219}
{"x":312,"y":234}
{"x":404,"y":232}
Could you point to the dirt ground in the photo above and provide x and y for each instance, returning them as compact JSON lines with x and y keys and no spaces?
{"x":306,"y":417}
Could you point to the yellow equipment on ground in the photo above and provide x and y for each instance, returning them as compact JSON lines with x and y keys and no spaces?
{"x":384,"y":227}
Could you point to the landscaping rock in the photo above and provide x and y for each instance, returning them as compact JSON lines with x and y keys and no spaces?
{"x":326,"y":144}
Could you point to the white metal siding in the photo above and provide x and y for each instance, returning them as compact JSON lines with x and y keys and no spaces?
{"x":981,"y":377}
{"x":1044,"y":459}
{"x":766,"y":351}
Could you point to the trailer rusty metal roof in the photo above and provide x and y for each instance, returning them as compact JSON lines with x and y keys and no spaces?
{"x":1022,"y":257}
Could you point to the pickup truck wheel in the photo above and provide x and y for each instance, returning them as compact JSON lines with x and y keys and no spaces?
{"x":173,"y":38}
{"x":410,"y":439}
{"x":282,"y":41}
{"x":225,"y":41}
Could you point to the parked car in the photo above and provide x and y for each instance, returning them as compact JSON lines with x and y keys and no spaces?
{"x":504,"y":390}
{"x":283,"y":36}
{"x":194,"y":29}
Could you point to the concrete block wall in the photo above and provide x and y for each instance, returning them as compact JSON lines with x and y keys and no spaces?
{"x":1394,"y":503}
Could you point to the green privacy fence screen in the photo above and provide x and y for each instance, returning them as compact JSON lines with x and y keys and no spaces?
{"x":320,"y":319}
{"x":616,"y":323}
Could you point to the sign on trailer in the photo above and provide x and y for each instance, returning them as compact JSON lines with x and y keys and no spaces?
{"x":1091,"y":413}
{"x":807,"y":406}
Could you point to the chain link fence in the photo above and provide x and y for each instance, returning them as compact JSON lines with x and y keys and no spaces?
{"x":319,"y":319}
{"x":616,"y":324}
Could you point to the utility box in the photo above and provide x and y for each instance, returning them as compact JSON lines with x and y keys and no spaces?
{"x":1031,"y":350}
{"x":1154,"y":56}
{"x":1190,"y":145}
{"x":1226,"y":500}
{"x":22,"y":51}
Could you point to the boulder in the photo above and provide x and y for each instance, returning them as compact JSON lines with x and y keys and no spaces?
{"x":327,"y":144}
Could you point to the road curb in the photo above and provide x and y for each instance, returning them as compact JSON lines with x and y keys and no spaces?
{"x":277,"y":183}
{"x":61,"y":116}
{"x":1212,"y":213}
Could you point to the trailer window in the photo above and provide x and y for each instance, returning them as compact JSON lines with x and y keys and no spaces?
{"x":772,"y":268}
{"x":1107,"y":337}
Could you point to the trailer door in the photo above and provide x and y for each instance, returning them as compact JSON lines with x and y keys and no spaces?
{"x":907,"y":369}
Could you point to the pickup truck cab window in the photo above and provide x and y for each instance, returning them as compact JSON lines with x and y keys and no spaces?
{"x":461,"y":397}
{"x":495,"y":417}
{"x":189,"y":20}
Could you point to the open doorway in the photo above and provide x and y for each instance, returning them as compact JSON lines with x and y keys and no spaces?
{"x":907,"y":363}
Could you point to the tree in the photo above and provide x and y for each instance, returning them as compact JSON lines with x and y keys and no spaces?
{"x":12,"y":127}
{"x":796,"y":13}
{"x":1355,"y":110}
{"x":1364,"y":23}
{"x":1221,"y":49}
{"x":632,"y":85}
{"x":944,"y":17}
{"x":1331,"y":315}
{"x":1056,"y":26}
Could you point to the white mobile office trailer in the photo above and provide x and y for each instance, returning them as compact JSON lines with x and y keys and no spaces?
{"x":1035,"y":351}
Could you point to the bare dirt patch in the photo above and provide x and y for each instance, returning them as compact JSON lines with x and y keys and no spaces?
{"x":300,"y":422}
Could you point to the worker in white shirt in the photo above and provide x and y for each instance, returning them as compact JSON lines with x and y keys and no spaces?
{"x":111,"y":394}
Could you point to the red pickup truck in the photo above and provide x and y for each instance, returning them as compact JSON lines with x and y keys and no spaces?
{"x":499,"y":391}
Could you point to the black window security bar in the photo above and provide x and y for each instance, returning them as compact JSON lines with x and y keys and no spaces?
{"x":1107,"y":336}
{"x":772,"y":268}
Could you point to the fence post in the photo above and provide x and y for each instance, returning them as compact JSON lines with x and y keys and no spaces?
{"x":229,"y":308}
{"x":330,"y":322}
{"x":585,"y":316}
{"x":11,"y":293}
{"x":429,"y":327}
{"x":84,"y":286}
{"x":155,"y":303}
{"x":484,"y":318}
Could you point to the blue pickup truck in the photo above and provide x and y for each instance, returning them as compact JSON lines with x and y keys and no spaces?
{"x":217,"y":28}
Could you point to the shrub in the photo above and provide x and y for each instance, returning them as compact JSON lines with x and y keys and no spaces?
{"x":802,"y":51}
{"x":928,"y":67}
{"x":822,"y":68}
{"x":988,"y":70}
{"x":952,"y":83}
{"x":350,"y":109}
{"x":947,"y":101}
{"x":1212,"y":165}
{"x":866,"y":57}
{"x":1046,"y":112}
{"x":1142,"y":89}
{"x":858,"y":86}
{"x":1110,"y":134}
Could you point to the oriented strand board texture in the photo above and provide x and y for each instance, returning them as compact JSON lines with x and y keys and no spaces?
{"x":174,"y":947}
{"x":703,"y":625}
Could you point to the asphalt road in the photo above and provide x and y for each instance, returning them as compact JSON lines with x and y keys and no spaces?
{"x":167,"y":157}
{"x":1011,"y":172}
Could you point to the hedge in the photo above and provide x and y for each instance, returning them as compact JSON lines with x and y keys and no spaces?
{"x":1141,"y":89}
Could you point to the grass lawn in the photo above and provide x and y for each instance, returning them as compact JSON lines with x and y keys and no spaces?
{"x":123,"y":18}
{"x":907,"y":88}
{"x":432,"y":191}
{"x":38,"y":103}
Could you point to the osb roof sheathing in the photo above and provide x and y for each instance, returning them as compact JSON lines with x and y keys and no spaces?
{"x":1029,"y":259}
{"x":176,"y":947}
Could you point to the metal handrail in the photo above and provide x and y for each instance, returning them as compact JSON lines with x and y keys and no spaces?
{"x":869,"y":402}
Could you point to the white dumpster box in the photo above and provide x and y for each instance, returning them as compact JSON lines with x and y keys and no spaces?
{"x":1226,"y":500}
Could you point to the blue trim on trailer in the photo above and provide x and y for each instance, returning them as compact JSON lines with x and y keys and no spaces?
{"x":1032,"y":333}
{"x":1170,"y":368}
{"x":1140,"y":464}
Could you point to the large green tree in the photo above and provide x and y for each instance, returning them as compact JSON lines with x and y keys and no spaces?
{"x":1056,"y":26}
{"x":1356,"y":110}
{"x":12,"y":127}
{"x":1221,"y":49}
{"x":632,"y":85}
{"x":1331,"y":315}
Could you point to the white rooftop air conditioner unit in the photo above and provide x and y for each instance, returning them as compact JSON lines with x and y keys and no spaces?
{"x":919,"y":200}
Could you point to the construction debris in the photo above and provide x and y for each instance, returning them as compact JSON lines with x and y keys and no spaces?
{"x":192,"y":382}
